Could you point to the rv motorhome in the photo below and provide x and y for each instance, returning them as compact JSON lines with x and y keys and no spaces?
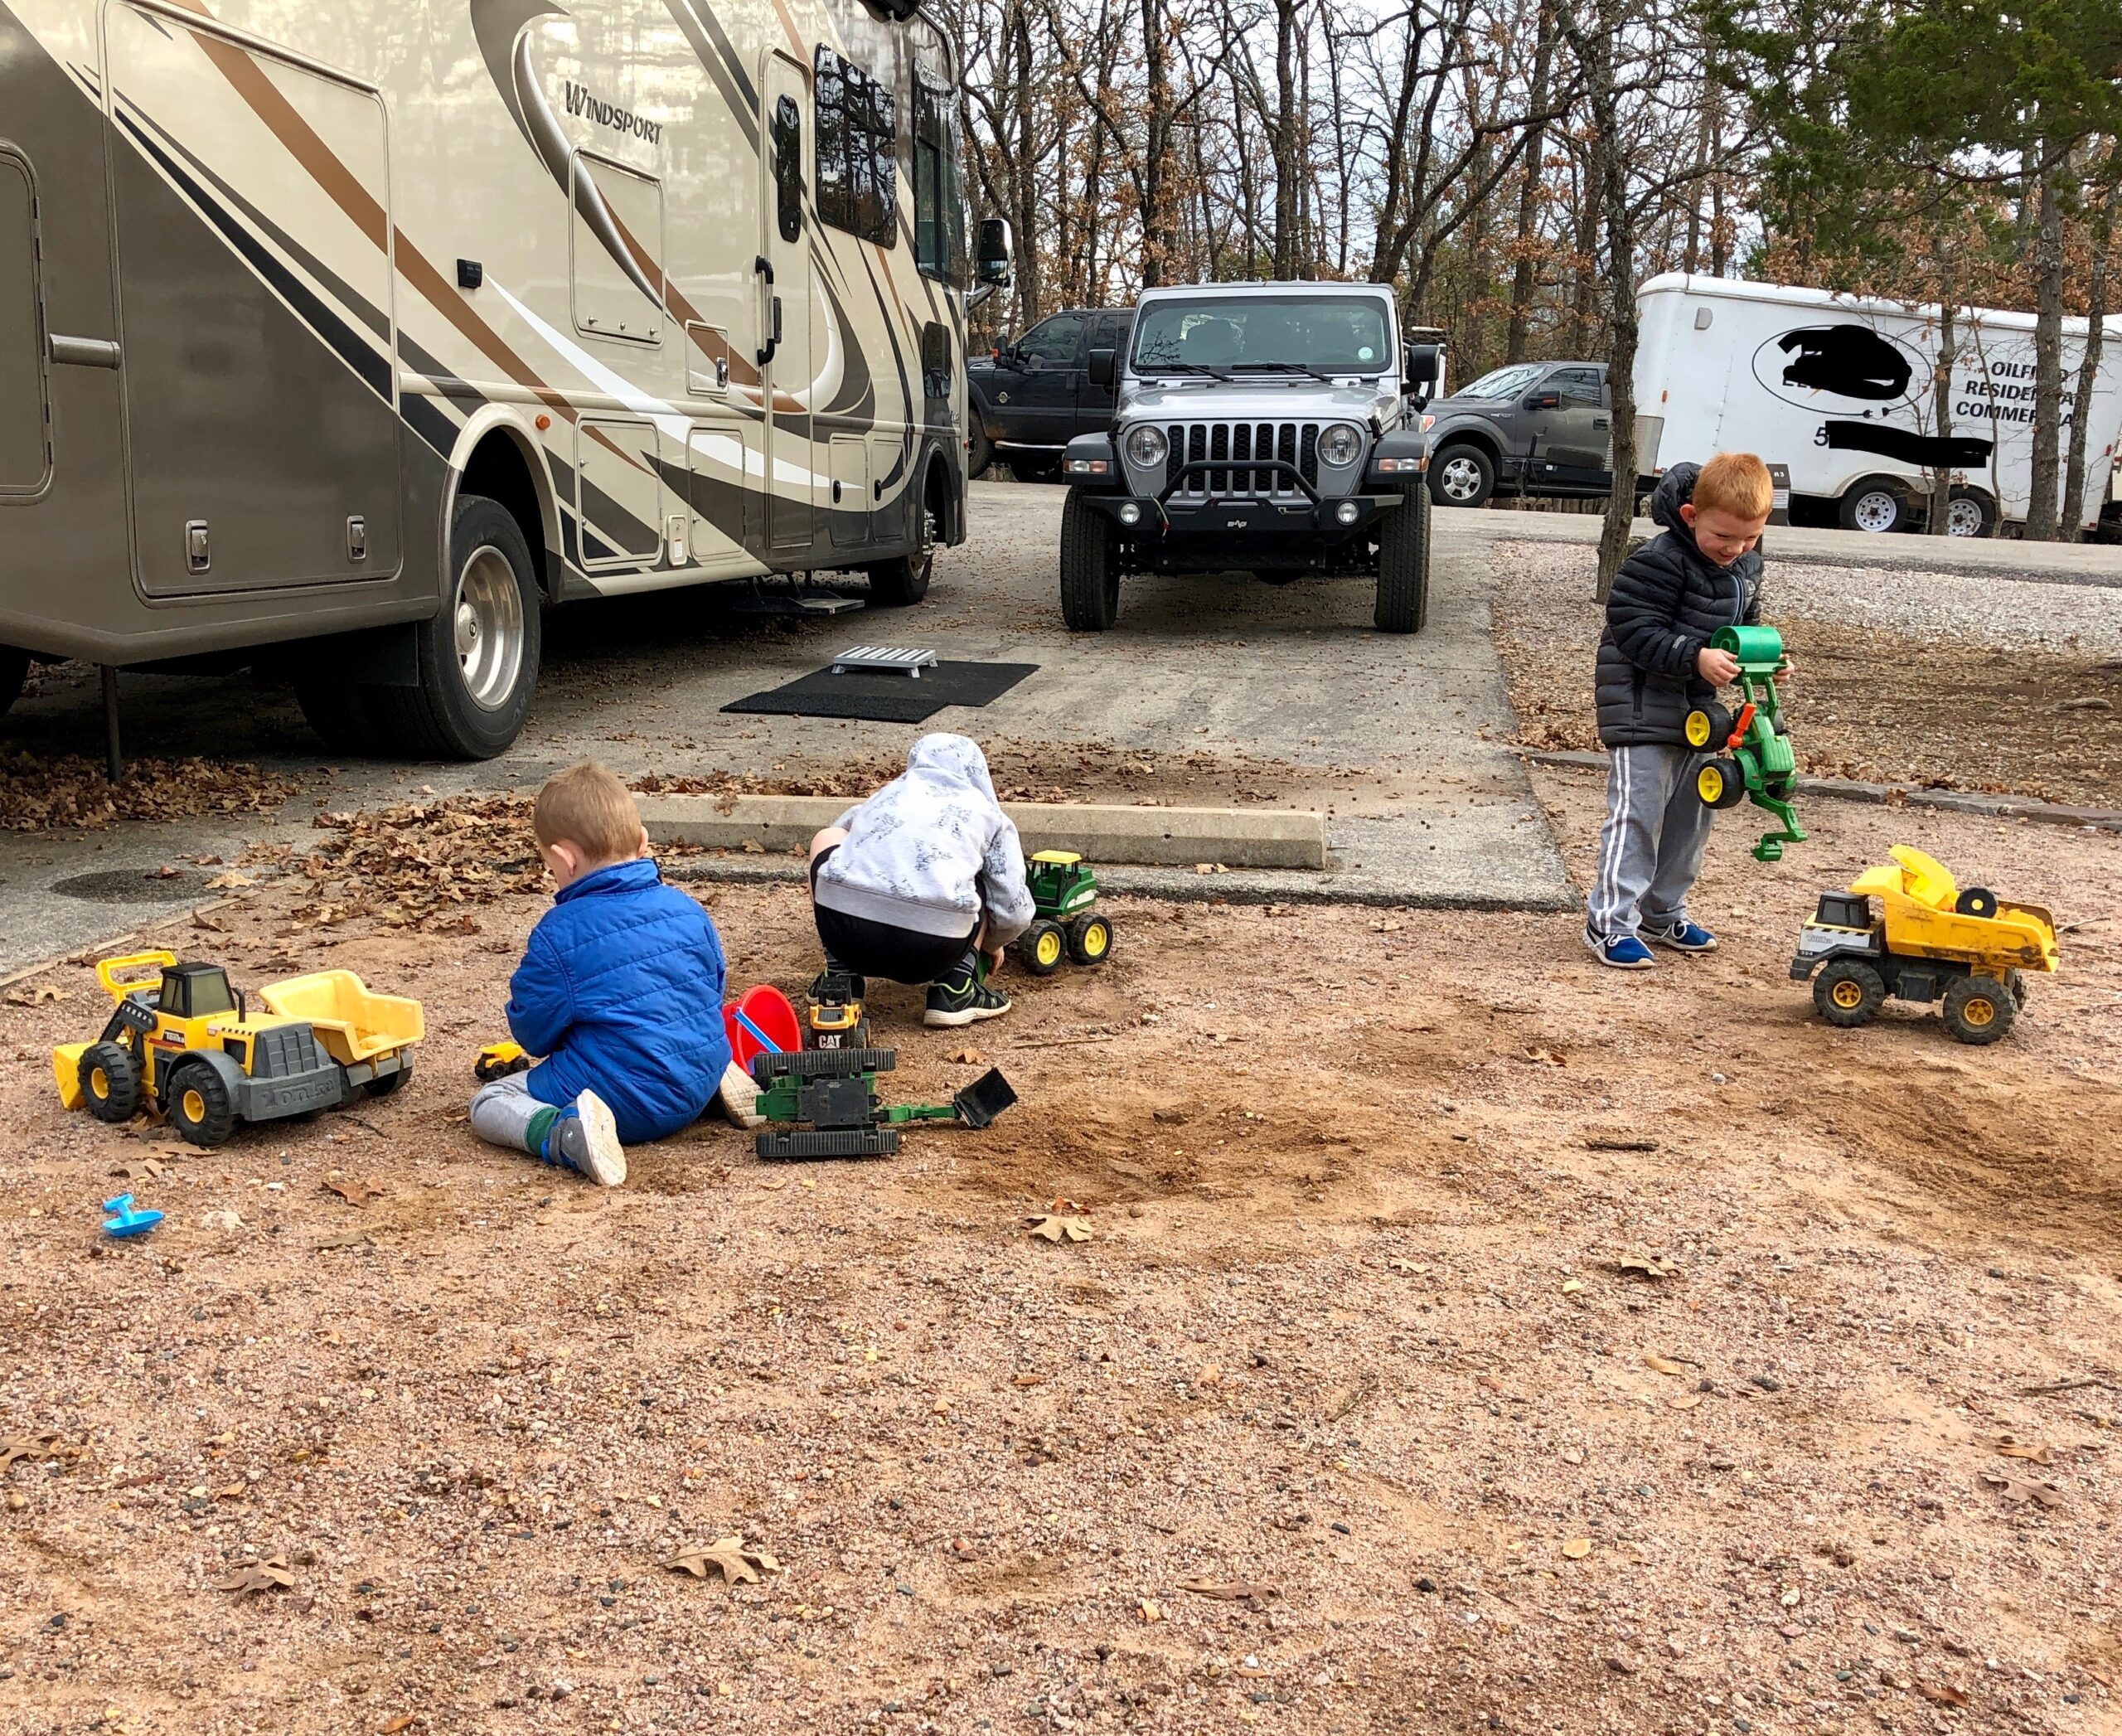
{"x":1840,"y":389}
{"x":351,"y":336}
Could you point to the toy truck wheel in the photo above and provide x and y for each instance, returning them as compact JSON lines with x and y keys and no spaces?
{"x":1090,"y":567}
{"x":1848,"y":992}
{"x":1043,"y":948}
{"x":1719,"y":783}
{"x":200,"y":1106}
{"x":2017,"y":984}
{"x":1979,"y":1009}
{"x":390,"y":1082}
{"x":110,"y":1082}
{"x":1976,"y":901}
{"x":1090,"y":940}
{"x":1708,"y":726}
{"x":1402,"y":602}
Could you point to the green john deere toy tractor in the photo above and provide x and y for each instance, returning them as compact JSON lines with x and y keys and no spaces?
{"x":835,"y":1091}
{"x":1752,"y":758}
{"x":1064,"y":888}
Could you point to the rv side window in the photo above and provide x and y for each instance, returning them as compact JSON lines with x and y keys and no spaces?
{"x":788,"y":168}
{"x":858,"y":151}
{"x":938,"y":216}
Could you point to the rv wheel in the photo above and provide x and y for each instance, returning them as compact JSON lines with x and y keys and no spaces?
{"x":477,"y":659}
{"x":1875,"y":505}
{"x":14,"y":672}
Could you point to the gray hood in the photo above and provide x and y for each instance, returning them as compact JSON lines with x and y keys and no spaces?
{"x":1239,"y":399}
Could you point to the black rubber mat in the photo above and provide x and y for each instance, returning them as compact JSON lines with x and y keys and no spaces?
{"x":891,"y":697}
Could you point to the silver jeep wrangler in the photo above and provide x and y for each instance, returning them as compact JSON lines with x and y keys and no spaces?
{"x":1275,"y":429}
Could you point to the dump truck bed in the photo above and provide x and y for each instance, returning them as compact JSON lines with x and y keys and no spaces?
{"x":351,"y":1023}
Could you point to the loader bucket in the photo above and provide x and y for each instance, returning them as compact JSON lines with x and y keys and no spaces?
{"x":984,"y":1099}
{"x":67,"y":1073}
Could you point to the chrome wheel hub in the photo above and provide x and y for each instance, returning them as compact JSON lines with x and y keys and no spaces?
{"x":1461,"y":479}
{"x":488,"y":622}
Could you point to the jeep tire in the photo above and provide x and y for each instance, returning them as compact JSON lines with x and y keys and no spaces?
{"x":1090,"y":567}
{"x":1402,"y":603}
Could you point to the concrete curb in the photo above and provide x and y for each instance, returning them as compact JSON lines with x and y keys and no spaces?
{"x":1165,"y":837}
{"x":1240,"y":887}
{"x":1915,"y":795}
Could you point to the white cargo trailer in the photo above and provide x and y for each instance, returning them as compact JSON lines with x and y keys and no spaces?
{"x":1839,"y":391}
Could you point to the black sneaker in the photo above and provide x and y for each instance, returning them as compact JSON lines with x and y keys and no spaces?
{"x":961,"y":998}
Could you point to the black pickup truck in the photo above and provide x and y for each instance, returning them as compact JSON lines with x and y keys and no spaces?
{"x":1543,"y":427}
{"x":1036,"y":395}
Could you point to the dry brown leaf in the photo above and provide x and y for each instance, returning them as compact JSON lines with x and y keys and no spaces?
{"x":144,"y":1169}
{"x":354,"y":1192}
{"x":1941,"y":1694}
{"x":270,"y":1574}
{"x":234,"y":1491}
{"x":1684,"y":1401}
{"x":2040,"y":1453}
{"x":1543,"y":1058}
{"x":346,"y":1239}
{"x":969,"y":1058}
{"x":727,"y":1556}
{"x":40,"y":994}
{"x":230,"y":881}
{"x":1649,"y":1267}
{"x":2016,"y":1490}
{"x":42,"y":1445}
{"x":1232,"y":1591}
{"x":1053,"y":1229}
{"x":1663,"y":1364}
{"x":1577,"y":1548}
{"x":1028,"y":1380}
{"x":403,"y":1721}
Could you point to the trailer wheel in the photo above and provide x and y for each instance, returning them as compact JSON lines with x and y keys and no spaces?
{"x":1877,"y":505}
{"x":1403,"y":604}
{"x":1848,"y":992}
{"x":14,"y":675}
{"x":110,"y":1082}
{"x":1090,"y":567}
{"x":200,"y":1106}
{"x":1971,"y":512}
{"x":477,"y":658}
{"x":1979,"y":1009}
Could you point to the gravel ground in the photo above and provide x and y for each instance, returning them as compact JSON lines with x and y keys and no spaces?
{"x":1912,"y":699}
{"x":1362,"y":1338}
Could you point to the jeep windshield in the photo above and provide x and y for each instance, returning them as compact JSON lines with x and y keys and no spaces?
{"x":1279,"y":334}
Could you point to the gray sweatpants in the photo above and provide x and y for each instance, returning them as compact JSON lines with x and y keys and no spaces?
{"x":502,"y":1113}
{"x":1651,"y":849}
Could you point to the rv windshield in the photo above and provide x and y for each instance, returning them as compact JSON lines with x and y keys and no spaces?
{"x":1506,"y":382}
{"x":1335,"y":334}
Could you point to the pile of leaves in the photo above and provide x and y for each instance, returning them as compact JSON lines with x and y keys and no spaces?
{"x":421,"y":866}
{"x":38,"y":793}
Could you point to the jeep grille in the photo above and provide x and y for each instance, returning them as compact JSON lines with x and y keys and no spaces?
{"x":1291,"y":443}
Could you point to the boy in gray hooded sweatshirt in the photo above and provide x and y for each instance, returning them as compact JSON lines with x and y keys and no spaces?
{"x":914,"y":884}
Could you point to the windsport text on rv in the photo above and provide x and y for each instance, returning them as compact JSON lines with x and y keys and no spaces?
{"x":352,"y":336}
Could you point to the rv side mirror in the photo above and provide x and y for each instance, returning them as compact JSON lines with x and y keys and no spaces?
{"x":996,"y":252}
{"x":1103,"y":368}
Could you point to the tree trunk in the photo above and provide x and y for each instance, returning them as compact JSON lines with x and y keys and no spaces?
{"x":1523,"y":281}
{"x":1282,"y":136}
{"x":1158,"y":253}
{"x":1941,"y":412}
{"x":2074,"y":475}
{"x":1024,"y":176}
{"x":2047,"y":353}
{"x":1606,"y":188}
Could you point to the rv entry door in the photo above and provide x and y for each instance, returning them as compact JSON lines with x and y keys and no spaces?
{"x":786,"y":364}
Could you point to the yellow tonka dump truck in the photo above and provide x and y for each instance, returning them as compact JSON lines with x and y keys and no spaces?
{"x":182,"y":1042}
{"x":1931,"y":940}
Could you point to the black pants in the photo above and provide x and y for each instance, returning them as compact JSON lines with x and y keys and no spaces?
{"x":882,"y":948}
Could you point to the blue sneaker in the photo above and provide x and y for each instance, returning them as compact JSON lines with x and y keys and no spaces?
{"x":584,"y":1137}
{"x":1623,"y":952}
{"x":1683,"y":937}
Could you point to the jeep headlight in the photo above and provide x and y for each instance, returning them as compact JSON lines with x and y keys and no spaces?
{"x":1340,"y":444}
{"x":1146,"y":446}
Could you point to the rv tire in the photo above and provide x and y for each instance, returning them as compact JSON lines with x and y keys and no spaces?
{"x":14,"y":672}
{"x":899,"y":583}
{"x":477,"y":656}
{"x":337,"y":711}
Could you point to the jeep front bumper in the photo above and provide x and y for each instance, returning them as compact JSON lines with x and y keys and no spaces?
{"x":1180,"y":518}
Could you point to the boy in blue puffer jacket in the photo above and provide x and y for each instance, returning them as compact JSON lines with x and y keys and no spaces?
{"x":620,"y":990}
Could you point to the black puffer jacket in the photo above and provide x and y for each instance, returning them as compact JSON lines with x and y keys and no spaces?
{"x":1667,"y":599}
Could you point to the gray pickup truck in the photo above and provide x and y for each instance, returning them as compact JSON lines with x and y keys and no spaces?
{"x":1274,"y":428}
{"x":1540,"y":428}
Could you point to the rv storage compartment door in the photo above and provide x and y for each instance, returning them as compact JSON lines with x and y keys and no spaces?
{"x":25,"y":447}
{"x":254,"y":295}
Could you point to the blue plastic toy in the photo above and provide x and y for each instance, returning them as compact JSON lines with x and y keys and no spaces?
{"x":130,"y":1220}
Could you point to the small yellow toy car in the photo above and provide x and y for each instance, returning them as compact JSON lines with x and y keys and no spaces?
{"x":182,"y":1042}
{"x":1932,"y":940}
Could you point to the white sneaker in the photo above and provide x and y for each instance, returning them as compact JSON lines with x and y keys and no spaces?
{"x":587,"y":1141}
{"x":740,"y":1097}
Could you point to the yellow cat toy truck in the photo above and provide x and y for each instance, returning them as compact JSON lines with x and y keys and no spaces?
{"x":1931,"y":940}
{"x":183,"y":1043}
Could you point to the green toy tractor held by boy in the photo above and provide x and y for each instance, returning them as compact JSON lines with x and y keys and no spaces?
{"x":1752,"y":760}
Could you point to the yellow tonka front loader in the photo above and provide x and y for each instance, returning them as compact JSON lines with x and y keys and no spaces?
{"x":1932,"y":940}
{"x":181,"y":1042}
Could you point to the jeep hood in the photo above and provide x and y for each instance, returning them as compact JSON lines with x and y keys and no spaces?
{"x":1282,"y":398}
